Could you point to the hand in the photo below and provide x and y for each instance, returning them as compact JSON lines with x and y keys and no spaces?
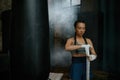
{"x":92,"y":57}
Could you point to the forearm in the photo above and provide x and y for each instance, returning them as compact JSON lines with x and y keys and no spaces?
{"x":72,"y":47}
{"x":93,"y":52}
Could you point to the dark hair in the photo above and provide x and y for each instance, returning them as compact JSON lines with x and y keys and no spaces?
{"x":78,"y":21}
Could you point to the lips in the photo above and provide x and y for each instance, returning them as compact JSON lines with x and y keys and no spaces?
{"x":80,"y":32}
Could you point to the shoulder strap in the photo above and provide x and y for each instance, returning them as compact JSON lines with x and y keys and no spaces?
{"x":85,"y":40}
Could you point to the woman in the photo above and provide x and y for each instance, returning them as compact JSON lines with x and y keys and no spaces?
{"x":76,"y":45}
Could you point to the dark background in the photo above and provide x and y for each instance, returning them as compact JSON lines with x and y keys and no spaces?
{"x":102,"y":17}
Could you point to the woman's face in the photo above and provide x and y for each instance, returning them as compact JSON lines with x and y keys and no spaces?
{"x":80,"y":29}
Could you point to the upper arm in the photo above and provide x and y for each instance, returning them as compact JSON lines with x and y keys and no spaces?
{"x":92,"y":47}
{"x":89,"y":42}
{"x":69,"y":42}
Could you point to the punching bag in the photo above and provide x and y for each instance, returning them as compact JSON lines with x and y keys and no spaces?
{"x":29,"y":42}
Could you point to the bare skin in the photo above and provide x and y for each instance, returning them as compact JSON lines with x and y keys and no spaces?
{"x":80,"y":30}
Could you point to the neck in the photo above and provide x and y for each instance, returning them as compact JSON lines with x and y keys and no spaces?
{"x":79,"y":37}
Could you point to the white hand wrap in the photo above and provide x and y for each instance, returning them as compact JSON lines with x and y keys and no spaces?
{"x":87,"y":45}
{"x":92,"y":57}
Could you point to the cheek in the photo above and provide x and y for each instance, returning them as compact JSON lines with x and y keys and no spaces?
{"x":81,"y":30}
{"x":77,"y":30}
{"x":84,"y":30}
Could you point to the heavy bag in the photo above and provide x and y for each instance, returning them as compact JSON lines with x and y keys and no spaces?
{"x":29,"y":42}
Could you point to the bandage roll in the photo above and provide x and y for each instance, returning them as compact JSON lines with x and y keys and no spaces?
{"x":84,"y":46}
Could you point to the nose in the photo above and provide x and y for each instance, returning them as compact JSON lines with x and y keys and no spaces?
{"x":81,"y":30}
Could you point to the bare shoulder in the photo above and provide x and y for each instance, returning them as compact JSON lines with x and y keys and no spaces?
{"x":70,"y":39}
{"x":89,"y":40}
